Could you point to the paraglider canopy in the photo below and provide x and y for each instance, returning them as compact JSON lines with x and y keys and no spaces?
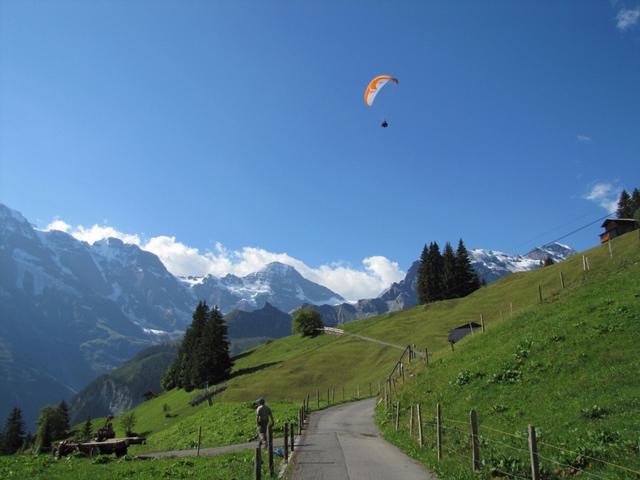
{"x":375,"y":86}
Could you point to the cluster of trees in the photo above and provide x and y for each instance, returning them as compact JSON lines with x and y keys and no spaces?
{"x":445,"y":275}
{"x":203,"y":358}
{"x":629,"y":205}
{"x":307,"y":322}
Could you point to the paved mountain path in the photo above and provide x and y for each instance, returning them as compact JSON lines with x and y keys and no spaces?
{"x":342,"y":333}
{"x":343,"y":443}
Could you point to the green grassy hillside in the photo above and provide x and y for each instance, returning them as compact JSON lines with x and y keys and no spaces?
{"x":569,"y":367}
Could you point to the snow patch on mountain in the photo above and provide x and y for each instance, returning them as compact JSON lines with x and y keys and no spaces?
{"x":492,"y":265}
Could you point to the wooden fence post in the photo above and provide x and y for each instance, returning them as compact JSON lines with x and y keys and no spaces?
{"x":270,"y":438}
{"x":610,"y":249}
{"x":358,"y":392}
{"x":258,"y":464}
{"x":318,"y":397}
{"x":420,"y":437}
{"x":588,"y":265}
{"x":286,"y":442}
{"x":300,"y":422}
{"x":475,"y":454}
{"x":397,"y":415}
{"x":439,"y":431}
{"x":370,"y":392}
{"x":501,"y":317}
{"x":343,"y":393}
{"x":540,"y":292}
{"x":410,"y":420}
{"x":328,"y":396}
{"x":482,"y":322}
{"x":533,"y":451}
{"x":292,"y":437}
{"x":199,"y":438}
{"x":561,"y":280}
{"x":426,"y":356}
{"x":511,"y":307}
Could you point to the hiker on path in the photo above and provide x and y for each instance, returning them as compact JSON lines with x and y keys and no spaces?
{"x":263,"y":416}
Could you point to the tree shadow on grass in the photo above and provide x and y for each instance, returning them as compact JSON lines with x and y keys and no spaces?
{"x":246,"y":371}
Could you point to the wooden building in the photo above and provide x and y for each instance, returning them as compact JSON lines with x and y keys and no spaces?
{"x":462,"y":331}
{"x":614,"y":227}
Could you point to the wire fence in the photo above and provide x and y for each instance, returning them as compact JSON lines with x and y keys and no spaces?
{"x":493,"y":452}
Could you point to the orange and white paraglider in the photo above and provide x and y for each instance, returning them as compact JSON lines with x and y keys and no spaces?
{"x":374,"y":88}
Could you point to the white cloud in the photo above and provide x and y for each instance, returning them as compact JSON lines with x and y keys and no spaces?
{"x":58,"y":225}
{"x":605,"y":194}
{"x":627,"y":18}
{"x":583,"y":138}
{"x":98,"y":232}
{"x":376,"y":274}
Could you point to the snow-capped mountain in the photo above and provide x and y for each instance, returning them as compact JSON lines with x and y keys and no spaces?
{"x":70,"y":311}
{"x":493,"y":265}
{"x":278,"y":284}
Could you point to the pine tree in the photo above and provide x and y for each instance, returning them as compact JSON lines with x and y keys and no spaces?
{"x":635,"y":202}
{"x":448,"y":271}
{"x":213,"y":359}
{"x":466,"y":278}
{"x":548,"y":261}
{"x":422,"y":276}
{"x":44,"y":435}
{"x":624,"y":205}
{"x":435,"y":274}
{"x":87,"y":429}
{"x":13,"y":436}
{"x":60,"y":428}
{"x":187,"y":355}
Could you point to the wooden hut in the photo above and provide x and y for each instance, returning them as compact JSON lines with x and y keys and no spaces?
{"x":614,"y":227}
{"x":462,"y":331}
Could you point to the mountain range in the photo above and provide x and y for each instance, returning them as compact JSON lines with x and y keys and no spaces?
{"x":71,"y":311}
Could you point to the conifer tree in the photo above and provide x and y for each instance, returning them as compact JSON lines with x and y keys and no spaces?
{"x":87,"y":429}
{"x":635,"y":202}
{"x":624,"y":205}
{"x":187,"y":355}
{"x":448,"y":271}
{"x":435,"y":272}
{"x":13,"y":436}
{"x":466,"y":278}
{"x":44,"y":434}
{"x":422,"y":276}
{"x":60,"y":428}
{"x":213,"y":359}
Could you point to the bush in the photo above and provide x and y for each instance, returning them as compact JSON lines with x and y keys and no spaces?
{"x":128,"y":423}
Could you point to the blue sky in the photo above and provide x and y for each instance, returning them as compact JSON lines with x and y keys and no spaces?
{"x":242,"y":124}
